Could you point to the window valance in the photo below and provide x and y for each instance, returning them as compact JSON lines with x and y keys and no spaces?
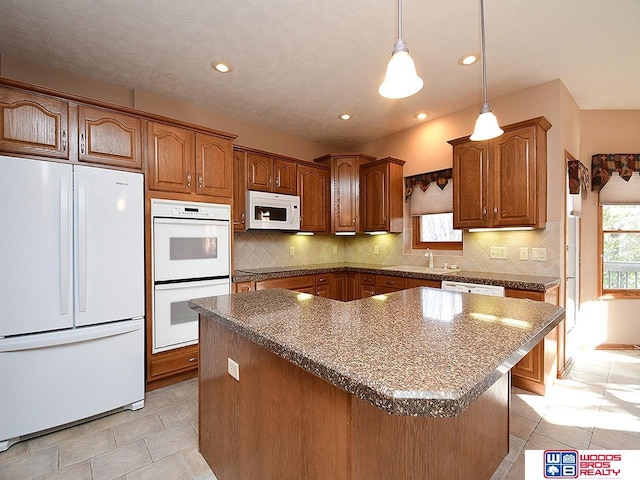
{"x":578,"y":178}
{"x":603,"y":165}
{"x":440,"y":177}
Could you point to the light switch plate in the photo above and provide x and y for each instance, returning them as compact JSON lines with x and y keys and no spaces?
{"x":498,"y":252}
{"x":335,"y":250}
{"x":539,"y":254}
{"x":376,"y":250}
{"x":234,"y":369}
{"x":292,"y":251}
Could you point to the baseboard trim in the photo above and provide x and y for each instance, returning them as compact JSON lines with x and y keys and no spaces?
{"x":617,"y":346}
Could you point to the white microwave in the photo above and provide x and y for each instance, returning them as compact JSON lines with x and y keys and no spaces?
{"x":272,"y":211}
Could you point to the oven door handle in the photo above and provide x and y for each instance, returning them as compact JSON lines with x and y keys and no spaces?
{"x":190,"y":221}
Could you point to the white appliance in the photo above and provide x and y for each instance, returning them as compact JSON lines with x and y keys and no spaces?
{"x":72,"y":294}
{"x":493,"y":290}
{"x":272,"y":211}
{"x":191,"y":259}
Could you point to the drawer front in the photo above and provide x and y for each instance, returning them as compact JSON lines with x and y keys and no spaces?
{"x":323,"y":279}
{"x":290,"y":283}
{"x":367,"y":279}
{"x":389,"y":281}
{"x":417,"y":282}
{"x":174,"y":363}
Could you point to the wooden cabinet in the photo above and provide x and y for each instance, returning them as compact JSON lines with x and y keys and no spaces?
{"x":109,"y":137}
{"x":381,"y":195}
{"x":313,"y":188}
{"x":34,"y":124}
{"x":183,"y":161}
{"x":172,"y":366}
{"x":242,"y":287}
{"x":345,"y":190}
{"x":238,"y":207}
{"x":418,"y":282}
{"x":389,"y":284}
{"x":267,"y":173}
{"x":324,"y":285}
{"x":538,"y":369}
{"x":502,"y":182}
{"x":367,"y":285}
{"x":301,"y":283}
{"x":350,"y":289}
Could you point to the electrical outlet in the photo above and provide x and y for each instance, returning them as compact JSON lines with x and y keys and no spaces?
{"x":524,"y":253}
{"x":234,"y":369}
{"x":498,"y":252}
{"x":376,"y":250}
{"x":335,"y":249}
{"x":539,"y":254}
{"x":292,"y":251}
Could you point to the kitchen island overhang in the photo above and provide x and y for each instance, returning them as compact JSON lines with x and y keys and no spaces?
{"x":439,"y":358}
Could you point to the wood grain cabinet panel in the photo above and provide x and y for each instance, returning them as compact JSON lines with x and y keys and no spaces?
{"x":381,"y":195}
{"x":109,"y":138}
{"x":345,"y":190}
{"x":34,"y":124}
{"x":313,"y":188}
{"x":238,"y":207}
{"x":502,"y":182}
{"x":284,"y":172}
{"x":260,"y":172}
{"x":170,"y":151}
{"x":214,"y":169}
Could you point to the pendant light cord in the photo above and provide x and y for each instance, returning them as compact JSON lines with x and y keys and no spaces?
{"x":399,"y":19}
{"x":484,"y":57}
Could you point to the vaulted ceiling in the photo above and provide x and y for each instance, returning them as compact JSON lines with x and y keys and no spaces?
{"x":298,"y":64}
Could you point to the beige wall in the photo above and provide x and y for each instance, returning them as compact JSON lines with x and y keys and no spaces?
{"x":608,"y":321}
{"x":249,"y":135}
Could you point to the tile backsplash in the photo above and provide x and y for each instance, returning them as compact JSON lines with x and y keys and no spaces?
{"x":257,"y":249}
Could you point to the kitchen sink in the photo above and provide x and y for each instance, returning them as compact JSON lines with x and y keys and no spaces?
{"x":419,"y":269}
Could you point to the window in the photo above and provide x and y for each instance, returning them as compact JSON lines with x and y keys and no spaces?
{"x":620,"y":250}
{"x":435,"y":231}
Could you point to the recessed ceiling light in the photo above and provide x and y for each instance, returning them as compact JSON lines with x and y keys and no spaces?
{"x":344,"y":116}
{"x":468,"y":59}
{"x":221,"y":67}
{"x":421,"y":116}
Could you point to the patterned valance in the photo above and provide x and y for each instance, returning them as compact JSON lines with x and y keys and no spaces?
{"x":441,"y":177}
{"x":603,"y":165}
{"x":578,"y":178}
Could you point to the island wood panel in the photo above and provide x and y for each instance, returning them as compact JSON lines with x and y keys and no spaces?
{"x":281,"y":422}
{"x":277,"y":422}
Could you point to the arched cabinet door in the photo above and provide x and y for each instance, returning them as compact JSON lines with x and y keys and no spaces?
{"x":170,"y":157}
{"x":33,"y":124}
{"x":214,"y":166}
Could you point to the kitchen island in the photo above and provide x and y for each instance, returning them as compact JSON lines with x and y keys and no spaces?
{"x":410,"y":385}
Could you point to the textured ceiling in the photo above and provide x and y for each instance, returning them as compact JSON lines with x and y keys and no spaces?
{"x":297,"y":64}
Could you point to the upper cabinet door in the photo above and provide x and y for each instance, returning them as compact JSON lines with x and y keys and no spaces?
{"x":213,"y":166}
{"x":260,"y":172}
{"x":514,"y":177}
{"x":170,"y":157}
{"x":239,"y":190}
{"x":34,"y":124}
{"x":313,"y":187}
{"x":284,"y":173}
{"x":470,"y":191}
{"x":346,"y":191}
{"x":109,"y":138}
{"x":374,"y":203}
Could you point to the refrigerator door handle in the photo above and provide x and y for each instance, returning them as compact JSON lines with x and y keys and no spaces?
{"x":82,"y":245}
{"x":64,"y":246}
{"x":65,"y":337}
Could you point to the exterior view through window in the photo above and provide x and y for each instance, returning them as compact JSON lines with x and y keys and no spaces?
{"x":620,"y":243}
{"x":435,"y":230}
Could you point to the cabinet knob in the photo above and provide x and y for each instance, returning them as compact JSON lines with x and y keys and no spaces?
{"x":199,"y":181}
{"x":495,"y":213}
{"x":269,"y":181}
{"x":484,"y":213}
{"x":188,"y":180}
{"x":242,"y":217}
{"x":353,"y":221}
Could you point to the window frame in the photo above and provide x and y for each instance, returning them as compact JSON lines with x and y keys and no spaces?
{"x":611,"y":293}
{"x":417,"y":244}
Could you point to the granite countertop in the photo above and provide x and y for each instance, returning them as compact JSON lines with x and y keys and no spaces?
{"x":418,"y":352}
{"x":508,"y":280}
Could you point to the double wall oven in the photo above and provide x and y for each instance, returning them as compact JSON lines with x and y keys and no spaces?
{"x":191,"y":251}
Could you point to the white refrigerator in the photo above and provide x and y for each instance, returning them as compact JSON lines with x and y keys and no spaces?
{"x":71,"y":294}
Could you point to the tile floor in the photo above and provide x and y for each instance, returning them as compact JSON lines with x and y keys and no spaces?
{"x":597,"y":406}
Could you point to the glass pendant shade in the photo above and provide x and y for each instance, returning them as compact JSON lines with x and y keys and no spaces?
{"x":401,"y":79}
{"x":486,"y":125}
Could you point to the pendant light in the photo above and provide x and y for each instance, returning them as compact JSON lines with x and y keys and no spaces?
{"x":401,"y":79}
{"x":487,"y":124}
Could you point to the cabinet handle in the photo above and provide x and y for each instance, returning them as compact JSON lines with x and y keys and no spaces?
{"x":495,"y":213}
{"x":188,"y":179}
{"x":199,"y":181}
{"x":82,"y":143}
{"x":278,"y":181}
{"x":321,"y":279}
{"x":269,"y":181}
{"x":64,"y":140}
{"x":242,"y":217}
{"x":192,"y":359}
{"x":484,"y":213}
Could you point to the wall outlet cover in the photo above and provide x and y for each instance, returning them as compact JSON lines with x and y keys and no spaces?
{"x":524,"y":253}
{"x":376,"y":250}
{"x":234,"y":369}
{"x":292,"y":251}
